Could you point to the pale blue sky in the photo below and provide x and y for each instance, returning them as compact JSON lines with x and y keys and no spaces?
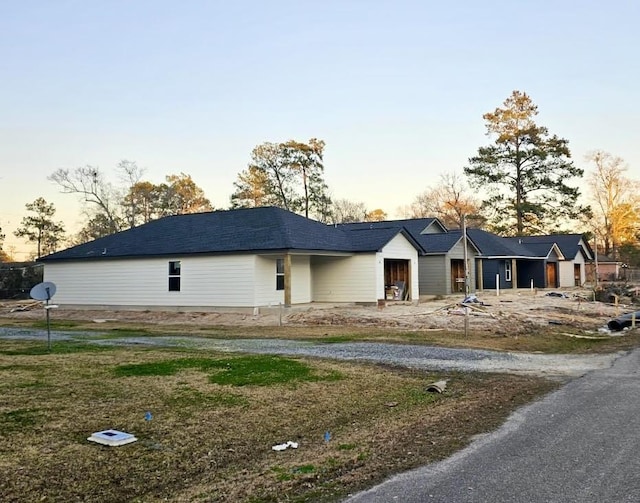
{"x":397,"y":89}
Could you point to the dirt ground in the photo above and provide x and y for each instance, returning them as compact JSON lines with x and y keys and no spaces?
{"x":509,"y":313}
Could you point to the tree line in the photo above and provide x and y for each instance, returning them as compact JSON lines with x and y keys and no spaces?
{"x":518,"y":184}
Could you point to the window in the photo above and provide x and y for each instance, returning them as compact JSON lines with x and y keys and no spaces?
{"x":280,"y":274}
{"x":507,"y":270}
{"x":174,"y":276}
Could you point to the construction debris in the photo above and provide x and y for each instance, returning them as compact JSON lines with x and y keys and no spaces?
{"x":624,"y":321}
{"x":515,"y":313}
{"x":437,"y":387}
{"x":112,"y":438}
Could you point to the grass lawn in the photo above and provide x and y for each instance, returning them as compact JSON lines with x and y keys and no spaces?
{"x":547,"y":339}
{"x":215,"y":417}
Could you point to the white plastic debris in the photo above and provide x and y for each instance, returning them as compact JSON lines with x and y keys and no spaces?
{"x":113,"y":438}
{"x":282,"y":447}
{"x":437,"y":387}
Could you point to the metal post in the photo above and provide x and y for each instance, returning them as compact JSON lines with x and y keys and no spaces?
{"x":466,"y":258}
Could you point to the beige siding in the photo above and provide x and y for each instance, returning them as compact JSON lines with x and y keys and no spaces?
{"x":344,"y":279}
{"x":566,"y":271}
{"x":205,"y":281}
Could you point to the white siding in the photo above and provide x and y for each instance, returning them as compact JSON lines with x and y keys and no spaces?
{"x":204,"y":281}
{"x":344,"y":279}
{"x":266,"y":293}
{"x":400,"y":249}
{"x":265,"y":282}
{"x":300,"y":279}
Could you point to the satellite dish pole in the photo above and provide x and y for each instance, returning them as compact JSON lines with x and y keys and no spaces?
{"x":44,"y":291}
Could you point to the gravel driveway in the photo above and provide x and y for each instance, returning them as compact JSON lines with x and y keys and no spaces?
{"x":406,"y":355}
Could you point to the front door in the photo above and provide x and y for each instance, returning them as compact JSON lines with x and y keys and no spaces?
{"x":577,"y":275}
{"x":396,"y":279}
{"x":552,"y":277}
{"x":457,"y":275}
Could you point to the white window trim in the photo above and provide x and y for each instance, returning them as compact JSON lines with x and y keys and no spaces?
{"x":507,"y":270}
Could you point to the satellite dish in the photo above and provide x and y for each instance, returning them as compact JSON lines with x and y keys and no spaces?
{"x":43,"y":291}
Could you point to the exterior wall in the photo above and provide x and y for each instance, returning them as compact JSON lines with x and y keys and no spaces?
{"x":344,"y":279}
{"x":398,"y":248}
{"x":457,"y":252}
{"x":204,"y":281}
{"x":491,"y":267}
{"x":300,"y":279}
{"x":565,"y":270}
{"x":265,"y":282}
{"x":531,"y":270}
{"x":265,"y":276}
{"x":434,"y":275}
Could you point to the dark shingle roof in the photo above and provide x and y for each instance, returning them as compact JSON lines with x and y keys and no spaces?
{"x":491,"y":245}
{"x":569,"y":244}
{"x":435,"y":242}
{"x":242,"y":230}
{"x":415,"y":226}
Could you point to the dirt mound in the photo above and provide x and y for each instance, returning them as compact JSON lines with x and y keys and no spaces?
{"x":512,"y":312}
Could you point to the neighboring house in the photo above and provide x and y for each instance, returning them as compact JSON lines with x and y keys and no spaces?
{"x":506,"y":263}
{"x":609,"y":269}
{"x":576,"y":253}
{"x":441,"y":262}
{"x":238,"y":258}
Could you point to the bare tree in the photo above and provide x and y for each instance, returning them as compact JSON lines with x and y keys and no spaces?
{"x":345,"y":211}
{"x":130,"y":175}
{"x":449,"y":201}
{"x":89,"y":183}
{"x":616,"y":201}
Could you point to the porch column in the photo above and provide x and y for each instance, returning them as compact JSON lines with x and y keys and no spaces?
{"x":514,"y":273}
{"x":479,"y":275}
{"x":287,"y":280}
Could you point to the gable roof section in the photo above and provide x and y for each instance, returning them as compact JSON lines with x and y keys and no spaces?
{"x":436,"y":244}
{"x":540,"y":249}
{"x":415,"y":226}
{"x":570,"y":244}
{"x":242,"y":230}
{"x":375,"y":239}
{"x":494,"y":246}
{"x":430,"y":236}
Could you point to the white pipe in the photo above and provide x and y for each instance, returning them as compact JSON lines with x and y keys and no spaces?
{"x":497,"y":285}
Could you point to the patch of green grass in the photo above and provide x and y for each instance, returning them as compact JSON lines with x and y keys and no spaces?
{"x":57,"y":347}
{"x":255,"y":370}
{"x":19,"y":419}
{"x":282,"y":474}
{"x":304,"y":469}
{"x":189,"y":397}
{"x":416,"y":396}
{"x":347,"y":447}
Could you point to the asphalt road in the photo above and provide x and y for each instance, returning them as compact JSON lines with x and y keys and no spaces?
{"x":578,"y":444}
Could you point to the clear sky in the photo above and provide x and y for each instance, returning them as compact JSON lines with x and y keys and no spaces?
{"x":395,"y":88}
